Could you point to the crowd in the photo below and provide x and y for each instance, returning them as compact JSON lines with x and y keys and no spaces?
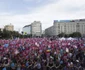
{"x":42,"y":54}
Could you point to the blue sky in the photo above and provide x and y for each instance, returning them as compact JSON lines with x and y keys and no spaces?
{"x":24,"y":12}
{"x":21,"y":6}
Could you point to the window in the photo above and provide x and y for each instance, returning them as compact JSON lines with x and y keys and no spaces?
{"x":77,"y":27}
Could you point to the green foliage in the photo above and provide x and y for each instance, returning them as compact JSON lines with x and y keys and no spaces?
{"x":0,"y":33}
{"x":9,"y":34}
{"x":74,"y":34}
{"x":61,"y":34}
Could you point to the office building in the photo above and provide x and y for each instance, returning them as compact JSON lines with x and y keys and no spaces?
{"x":34,"y":28}
{"x":67,"y":27}
{"x":27,"y":29}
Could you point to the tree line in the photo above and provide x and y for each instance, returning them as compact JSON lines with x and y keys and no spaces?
{"x":74,"y":34}
{"x":5,"y":34}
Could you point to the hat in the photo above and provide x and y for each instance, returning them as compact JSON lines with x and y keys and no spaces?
{"x":77,"y":60}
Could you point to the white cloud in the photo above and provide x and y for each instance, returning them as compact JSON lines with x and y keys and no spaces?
{"x":37,"y":1}
{"x":28,"y":0}
{"x":63,"y":9}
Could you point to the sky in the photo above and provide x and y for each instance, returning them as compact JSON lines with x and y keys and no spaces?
{"x":24,"y":12}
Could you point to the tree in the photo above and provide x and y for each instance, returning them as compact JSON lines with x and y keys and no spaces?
{"x":0,"y":33}
{"x":5,"y":34}
{"x":75,"y":34}
{"x":62,"y":34}
{"x":66,"y":35}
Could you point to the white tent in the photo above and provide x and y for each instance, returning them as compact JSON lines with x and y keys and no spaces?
{"x":70,"y":38}
{"x":62,"y":38}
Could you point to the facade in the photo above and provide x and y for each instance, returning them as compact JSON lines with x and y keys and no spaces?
{"x":34,"y":28}
{"x":67,"y":27}
{"x":27,"y":29}
{"x":9,"y":27}
{"x":49,"y":31}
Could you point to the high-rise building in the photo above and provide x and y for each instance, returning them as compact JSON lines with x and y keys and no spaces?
{"x":34,"y":28}
{"x":67,"y":27}
{"x":9,"y":27}
{"x":27,"y":29}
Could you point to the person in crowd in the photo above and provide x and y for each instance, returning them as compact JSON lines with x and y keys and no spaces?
{"x":42,"y":54}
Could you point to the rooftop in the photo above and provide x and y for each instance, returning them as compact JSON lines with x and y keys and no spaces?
{"x":26,"y":26}
{"x":69,"y":20}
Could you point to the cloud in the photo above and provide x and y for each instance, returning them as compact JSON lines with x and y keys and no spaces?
{"x":57,"y":10}
{"x":32,"y":0}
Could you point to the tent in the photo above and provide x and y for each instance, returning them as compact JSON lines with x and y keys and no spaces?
{"x":62,"y":38}
{"x":70,"y":38}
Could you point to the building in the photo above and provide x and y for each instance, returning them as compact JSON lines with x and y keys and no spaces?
{"x":67,"y":27}
{"x":49,"y":31}
{"x":43,"y":32}
{"x":27,"y":29}
{"x":9,"y":27}
{"x":34,"y":28}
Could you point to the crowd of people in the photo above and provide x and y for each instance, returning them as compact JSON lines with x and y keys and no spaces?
{"x":42,"y":54}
